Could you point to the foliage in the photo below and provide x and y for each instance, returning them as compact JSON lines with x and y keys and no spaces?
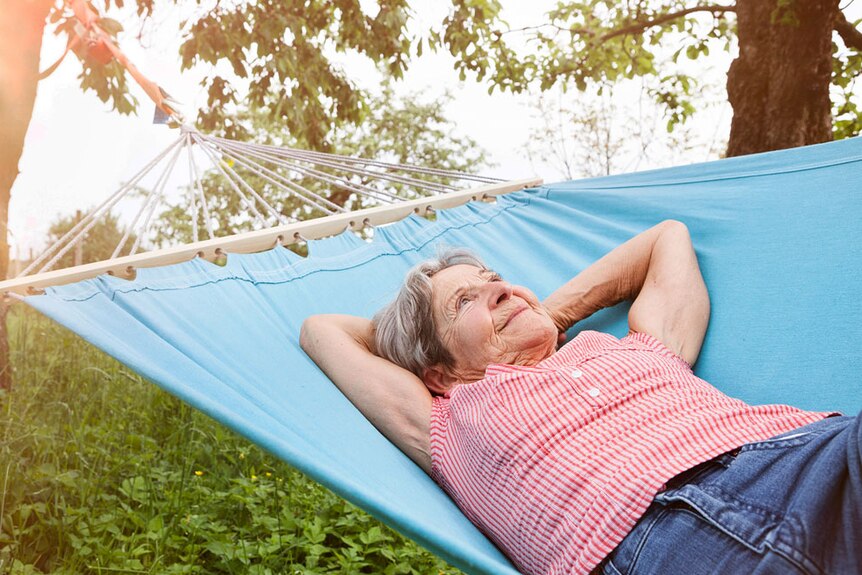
{"x":97,"y":245}
{"x":283,"y":52}
{"x":281,"y":46}
{"x":398,"y":129}
{"x":846,"y":68}
{"x":593,"y":43}
{"x":108,"y":81}
{"x":102,"y":472}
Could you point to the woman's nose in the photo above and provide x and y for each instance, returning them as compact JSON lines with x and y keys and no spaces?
{"x":499,"y":292}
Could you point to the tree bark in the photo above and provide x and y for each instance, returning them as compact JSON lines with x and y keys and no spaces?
{"x":779,"y":85}
{"x":21,"y":26}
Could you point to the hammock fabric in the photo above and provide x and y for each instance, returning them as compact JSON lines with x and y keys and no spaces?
{"x":778,"y":236}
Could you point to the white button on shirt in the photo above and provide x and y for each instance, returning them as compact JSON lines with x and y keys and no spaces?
{"x":576,"y":373}
{"x":593,"y":392}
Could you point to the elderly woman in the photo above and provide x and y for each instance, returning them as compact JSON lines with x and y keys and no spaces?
{"x":606,"y":455}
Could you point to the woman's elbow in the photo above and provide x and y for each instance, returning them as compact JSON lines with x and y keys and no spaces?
{"x":675,"y":227}
{"x":310,"y":331}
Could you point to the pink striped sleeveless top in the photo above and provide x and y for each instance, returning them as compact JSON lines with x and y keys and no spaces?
{"x":557,"y":462}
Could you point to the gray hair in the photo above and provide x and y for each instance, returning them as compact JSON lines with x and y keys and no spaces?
{"x":405,"y":332}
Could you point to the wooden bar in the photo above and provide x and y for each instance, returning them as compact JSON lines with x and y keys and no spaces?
{"x":259,"y":240}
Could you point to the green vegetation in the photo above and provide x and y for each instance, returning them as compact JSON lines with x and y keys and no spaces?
{"x":102,"y":472}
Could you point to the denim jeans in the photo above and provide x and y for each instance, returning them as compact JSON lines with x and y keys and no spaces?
{"x":788,"y":505}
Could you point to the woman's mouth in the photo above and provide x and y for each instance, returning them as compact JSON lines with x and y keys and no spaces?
{"x":511,"y":317}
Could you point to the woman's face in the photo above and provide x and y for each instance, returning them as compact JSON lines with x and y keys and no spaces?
{"x":483,"y":320}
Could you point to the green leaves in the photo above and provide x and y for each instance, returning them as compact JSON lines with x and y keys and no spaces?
{"x":110,"y":26}
{"x":473,"y":34}
{"x":283,"y":49}
{"x":673,"y":93}
{"x":846,"y":68}
{"x":280,"y":53}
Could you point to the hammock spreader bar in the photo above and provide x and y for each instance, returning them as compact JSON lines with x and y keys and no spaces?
{"x":260,"y":240}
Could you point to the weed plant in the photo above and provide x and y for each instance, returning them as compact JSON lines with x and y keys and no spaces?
{"x":102,"y":472}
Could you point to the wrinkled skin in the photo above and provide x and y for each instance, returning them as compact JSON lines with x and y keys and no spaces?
{"x":482,"y":320}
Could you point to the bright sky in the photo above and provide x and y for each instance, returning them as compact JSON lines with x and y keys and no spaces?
{"x":78,"y":150}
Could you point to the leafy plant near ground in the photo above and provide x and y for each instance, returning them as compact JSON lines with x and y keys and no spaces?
{"x":102,"y":472}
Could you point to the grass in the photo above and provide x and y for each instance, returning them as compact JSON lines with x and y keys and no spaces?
{"x":102,"y":472}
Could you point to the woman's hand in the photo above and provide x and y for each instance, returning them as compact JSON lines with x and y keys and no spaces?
{"x":560,"y":322}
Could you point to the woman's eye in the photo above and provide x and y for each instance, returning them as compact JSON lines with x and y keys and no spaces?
{"x":462,"y":301}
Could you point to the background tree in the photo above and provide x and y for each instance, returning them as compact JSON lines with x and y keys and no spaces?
{"x":778,"y":86}
{"x":21,"y":28}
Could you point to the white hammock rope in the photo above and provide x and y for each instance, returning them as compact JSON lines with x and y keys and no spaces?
{"x":92,"y":217}
{"x":280,"y":167}
{"x":193,"y":193}
{"x":275,"y":214}
{"x":323,"y":176}
{"x":315,"y":174}
{"x":284,"y":184}
{"x":200,"y":190}
{"x":275,"y":154}
{"x":369,"y":162}
{"x":159,"y":190}
{"x":220,"y":164}
{"x":148,"y":200}
{"x":415,"y":183}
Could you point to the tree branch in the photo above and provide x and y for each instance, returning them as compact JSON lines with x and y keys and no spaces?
{"x":639,"y":26}
{"x":851,"y":36}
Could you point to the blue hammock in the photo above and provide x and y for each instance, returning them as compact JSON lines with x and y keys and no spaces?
{"x":778,"y":236}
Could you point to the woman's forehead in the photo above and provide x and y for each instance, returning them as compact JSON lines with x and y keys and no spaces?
{"x":457,"y":276}
{"x":450,"y":281}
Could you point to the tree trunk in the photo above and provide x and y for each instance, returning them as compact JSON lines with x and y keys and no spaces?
{"x":22,"y":23}
{"x":779,"y":84}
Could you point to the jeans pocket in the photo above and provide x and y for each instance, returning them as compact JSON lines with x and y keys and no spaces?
{"x":757,"y":526}
{"x":716,"y":512}
{"x":677,"y":537}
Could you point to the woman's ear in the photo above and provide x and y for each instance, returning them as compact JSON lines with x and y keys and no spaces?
{"x":437,"y":379}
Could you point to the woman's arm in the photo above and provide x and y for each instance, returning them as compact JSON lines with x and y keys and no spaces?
{"x":658,"y":270}
{"x":393,"y":399}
